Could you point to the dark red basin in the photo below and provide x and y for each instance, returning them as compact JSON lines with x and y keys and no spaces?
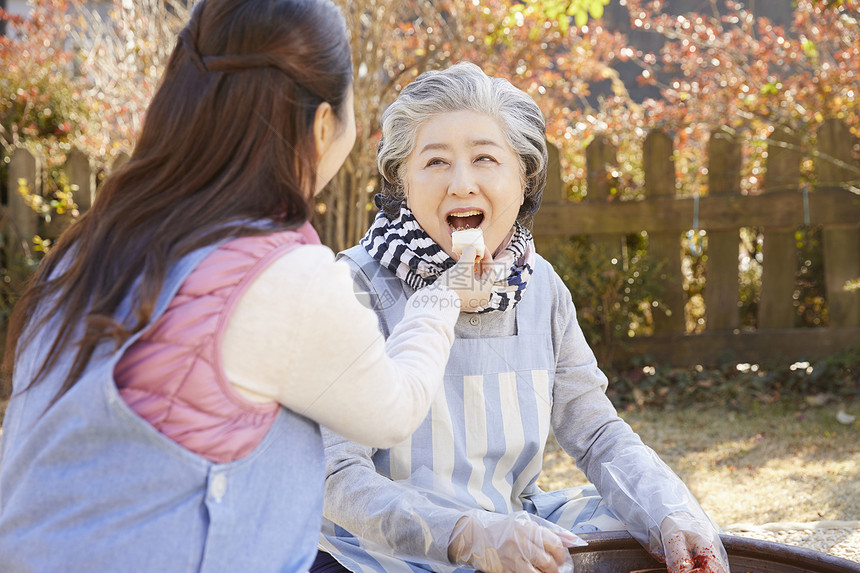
{"x":618,"y":552}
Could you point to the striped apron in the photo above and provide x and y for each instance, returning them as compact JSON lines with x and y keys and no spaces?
{"x":484,"y":437}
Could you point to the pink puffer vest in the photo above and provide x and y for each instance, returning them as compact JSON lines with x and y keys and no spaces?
{"x":173,"y":376}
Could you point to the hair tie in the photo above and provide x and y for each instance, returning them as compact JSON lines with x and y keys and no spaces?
{"x":228,"y":63}
{"x":191,"y":50}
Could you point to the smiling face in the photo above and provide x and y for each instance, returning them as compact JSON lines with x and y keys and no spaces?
{"x":461,"y":174}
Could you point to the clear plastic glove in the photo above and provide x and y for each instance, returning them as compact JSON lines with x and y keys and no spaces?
{"x":641,"y":489}
{"x":514,"y":543}
{"x":692,"y":546}
{"x":472,"y":282}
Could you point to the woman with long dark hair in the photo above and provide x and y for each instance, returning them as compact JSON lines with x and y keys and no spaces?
{"x":177,"y":350}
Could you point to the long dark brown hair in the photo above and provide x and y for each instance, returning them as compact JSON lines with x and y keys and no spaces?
{"x":228,"y":138}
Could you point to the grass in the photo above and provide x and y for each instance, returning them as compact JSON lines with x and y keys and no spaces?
{"x":785,"y":461}
{"x":780,"y":462}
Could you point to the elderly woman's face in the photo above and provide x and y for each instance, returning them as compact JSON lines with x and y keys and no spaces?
{"x":462,"y":174}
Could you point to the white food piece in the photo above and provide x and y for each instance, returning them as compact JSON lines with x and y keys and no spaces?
{"x":467,"y":238}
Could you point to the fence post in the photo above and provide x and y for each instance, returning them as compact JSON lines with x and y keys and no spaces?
{"x":121,"y":159}
{"x":554,"y":192}
{"x":841,"y":244}
{"x":553,"y":195}
{"x":599,"y":155}
{"x":24,"y":169}
{"x":82,"y":179}
{"x":722,"y":290}
{"x":81,"y":174}
{"x":779,"y":270}
{"x":659,"y":166}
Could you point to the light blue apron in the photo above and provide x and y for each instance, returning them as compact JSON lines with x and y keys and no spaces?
{"x":90,"y":486}
{"x":485,"y":435}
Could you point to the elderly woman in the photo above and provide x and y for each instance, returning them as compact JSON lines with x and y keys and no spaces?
{"x":462,"y":150}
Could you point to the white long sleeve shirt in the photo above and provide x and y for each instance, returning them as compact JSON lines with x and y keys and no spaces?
{"x":327,"y":359}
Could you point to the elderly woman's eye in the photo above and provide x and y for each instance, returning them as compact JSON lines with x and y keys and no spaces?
{"x":435,"y":161}
{"x":486,"y":158}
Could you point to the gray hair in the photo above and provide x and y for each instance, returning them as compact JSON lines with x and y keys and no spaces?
{"x":463,"y":86}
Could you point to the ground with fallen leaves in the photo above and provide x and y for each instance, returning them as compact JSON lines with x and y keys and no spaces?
{"x":776,"y":463}
{"x":787,"y":472}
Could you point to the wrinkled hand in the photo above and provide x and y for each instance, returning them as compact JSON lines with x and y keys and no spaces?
{"x":472,"y":282}
{"x":692,"y":545}
{"x":495,"y":543}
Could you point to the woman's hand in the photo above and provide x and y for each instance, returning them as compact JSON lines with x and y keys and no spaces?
{"x":692,"y":546}
{"x":514,"y":543}
{"x":472,"y":281}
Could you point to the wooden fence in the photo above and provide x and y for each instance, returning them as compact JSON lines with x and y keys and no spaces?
{"x":779,"y":210}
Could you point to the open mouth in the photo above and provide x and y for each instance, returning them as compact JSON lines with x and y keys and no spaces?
{"x":465,"y":220}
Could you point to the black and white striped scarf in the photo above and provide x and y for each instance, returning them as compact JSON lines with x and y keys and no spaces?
{"x":404,"y":248}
